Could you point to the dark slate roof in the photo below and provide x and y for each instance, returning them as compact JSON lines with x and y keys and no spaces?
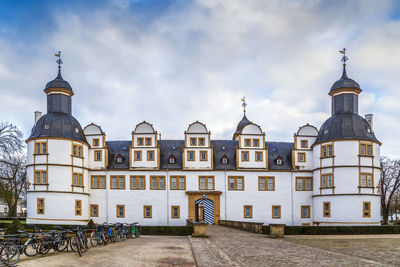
{"x":345,"y":126}
{"x":345,"y":82}
{"x":282,"y":149}
{"x":222,"y":148}
{"x":115,"y":148}
{"x":59,"y":125}
{"x":242,"y":123}
{"x":168,"y":148}
{"x":58,"y":82}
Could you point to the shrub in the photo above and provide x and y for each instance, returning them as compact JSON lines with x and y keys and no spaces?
{"x":14,"y":227}
{"x":167,"y":230}
{"x":91,"y":224}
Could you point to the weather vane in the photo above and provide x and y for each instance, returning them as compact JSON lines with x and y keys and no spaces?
{"x":244,"y":104}
{"x":344,"y":58}
{"x":59,"y":61}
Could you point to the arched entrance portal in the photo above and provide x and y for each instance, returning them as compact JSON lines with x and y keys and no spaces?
{"x":204,"y":210}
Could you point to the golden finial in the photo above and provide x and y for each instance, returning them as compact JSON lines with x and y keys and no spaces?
{"x":244,"y":104}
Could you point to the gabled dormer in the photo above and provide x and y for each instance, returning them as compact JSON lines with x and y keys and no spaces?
{"x":197,"y":151}
{"x":97,"y":146}
{"x":145,"y":152}
{"x":302,"y":156}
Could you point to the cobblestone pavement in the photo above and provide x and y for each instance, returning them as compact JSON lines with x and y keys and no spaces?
{"x":143,"y":251}
{"x":231,"y":247}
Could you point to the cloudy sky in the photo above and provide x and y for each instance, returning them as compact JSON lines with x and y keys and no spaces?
{"x":174,"y":62}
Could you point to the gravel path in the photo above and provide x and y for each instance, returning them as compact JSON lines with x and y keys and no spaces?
{"x":231,"y":247}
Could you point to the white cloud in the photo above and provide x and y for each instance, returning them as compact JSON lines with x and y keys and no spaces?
{"x":195,"y":61}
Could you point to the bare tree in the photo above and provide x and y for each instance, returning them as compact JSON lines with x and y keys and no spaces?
{"x":389,"y":183}
{"x":10,"y":138}
{"x":12,"y":181}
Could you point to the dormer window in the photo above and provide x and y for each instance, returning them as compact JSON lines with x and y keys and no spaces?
{"x":279,"y":161}
{"x":171,"y":159}
{"x":119,"y":159}
{"x":76,"y":130}
{"x":224,"y":160}
{"x":46,"y":127}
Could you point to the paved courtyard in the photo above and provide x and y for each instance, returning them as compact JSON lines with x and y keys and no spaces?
{"x":231,"y":247}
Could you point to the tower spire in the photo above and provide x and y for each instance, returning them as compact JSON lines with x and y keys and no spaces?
{"x":59,"y":62}
{"x":344,"y":60}
{"x":244,"y":104}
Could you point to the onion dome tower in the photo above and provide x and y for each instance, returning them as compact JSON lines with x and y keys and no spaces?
{"x":346,"y":174}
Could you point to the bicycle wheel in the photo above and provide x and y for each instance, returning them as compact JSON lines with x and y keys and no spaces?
{"x":83,"y":244}
{"x":61,"y":245}
{"x":10,"y":254}
{"x":44,"y":248}
{"x":73,"y":243}
{"x":31,"y":248}
{"x":93,"y":239}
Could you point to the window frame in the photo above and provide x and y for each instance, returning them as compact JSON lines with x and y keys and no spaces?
{"x":144,"y":211}
{"x":206,"y":182}
{"x":117,"y":207}
{"x":193,"y":141}
{"x":148,"y":153}
{"x":79,"y":150}
{"x":146,"y":139}
{"x":245,"y":153}
{"x":236,"y":178}
{"x":244,"y":211}
{"x":118,"y":177}
{"x":38,"y":207}
{"x":326,"y":182}
{"x":245,"y":142}
{"x":201,"y":155}
{"x":256,"y":140}
{"x":298,"y":157}
{"x":138,"y":177}
{"x":366,"y":144}
{"x":327,"y":151}
{"x":308,"y":207}
{"x":91,"y":210}
{"x":41,"y":177}
{"x":266,"y":178}
{"x":280,"y":211}
{"x":137,"y":152}
{"x":40,"y":143}
{"x":303,"y":141}
{"x":79,"y":175}
{"x":366,"y":180}
{"x":140,"y":141}
{"x":259,"y":153}
{"x":157,"y":182}
{"x":95,"y":155}
{"x":326,"y":212}
{"x":304,"y":179}
{"x":177,"y":177}
{"x":98,"y":178}
{"x":367,"y":212}
{"x":194,"y":155}
{"x":78,"y":209}
{"x":172,"y":212}
{"x":203,"y":141}
{"x":94,"y":143}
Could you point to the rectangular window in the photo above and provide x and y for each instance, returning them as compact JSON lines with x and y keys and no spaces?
{"x":327,"y":151}
{"x":77,"y":179}
{"x":366,"y":209}
{"x":245,"y":156}
{"x":366,"y":149}
{"x":266,"y":183}
{"x":193,"y":141}
{"x":303,"y":183}
{"x":96,"y":142}
{"x":41,"y":147}
{"x":259,"y":156}
{"x":305,"y":211}
{"x":276,"y":212}
{"x":138,"y":182}
{"x":256,"y":143}
{"x":148,"y":141}
{"x":301,"y":157}
{"x":157,"y":182}
{"x":77,"y":150}
{"x":98,"y":182}
{"x":175,"y":212}
{"x":327,"y":209}
{"x":206,"y":182}
{"x":140,"y":141}
{"x":97,"y":155}
{"x":147,"y":211}
{"x":78,"y":207}
{"x":366,"y":180}
{"x":178,"y":182}
{"x":138,"y":155}
{"x":202,"y":141}
{"x":203,"y":155}
{"x":327,"y":180}
{"x":40,"y":177}
{"x":190,"y":156}
{"x":118,"y":182}
{"x":94,"y":210}
{"x":304,"y":143}
{"x":247,"y":142}
{"x":120,"y":211}
{"x":236,"y":182}
{"x":150,"y":155}
{"x":40,"y":206}
{"x":247,"y":211}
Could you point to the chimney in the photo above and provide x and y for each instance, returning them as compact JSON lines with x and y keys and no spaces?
{"x":38,"y":115}
{"x":370,"y":120}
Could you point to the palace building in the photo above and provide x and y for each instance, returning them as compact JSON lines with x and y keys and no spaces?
{"x":328,"y":176}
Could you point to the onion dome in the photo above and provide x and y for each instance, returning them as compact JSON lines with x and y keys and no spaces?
{"x":345,"y":82}
{"x":59,"y":85}
{"x":241,"y":124}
